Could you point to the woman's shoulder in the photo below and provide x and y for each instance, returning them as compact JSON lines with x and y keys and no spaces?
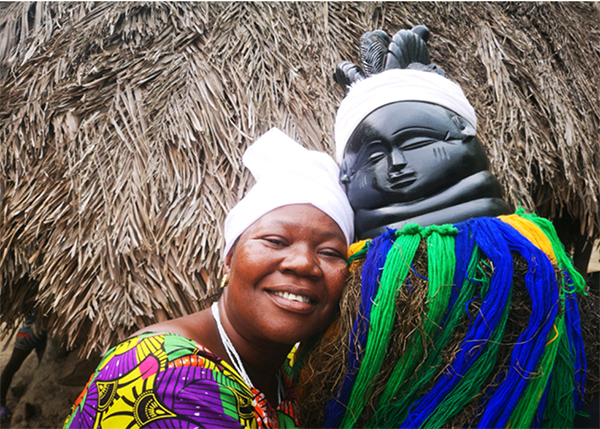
{"x":154,"y":352}
{"x":191,"y":326}
{"x":149,"y":376}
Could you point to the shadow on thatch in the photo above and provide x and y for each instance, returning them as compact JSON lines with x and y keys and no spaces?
{"x":123,"y":124}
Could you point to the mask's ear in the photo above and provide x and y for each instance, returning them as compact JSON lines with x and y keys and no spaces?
{"x":467,"y":130}
{"x":344,"y":175}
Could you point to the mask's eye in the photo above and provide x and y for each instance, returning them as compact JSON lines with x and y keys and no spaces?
{"x":370,"y":154}
{"x":417,"y":142}
{"x":376,"y":156}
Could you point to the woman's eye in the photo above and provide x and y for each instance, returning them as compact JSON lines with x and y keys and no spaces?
{"x":331,"y":253}
{"x":274,"y":240}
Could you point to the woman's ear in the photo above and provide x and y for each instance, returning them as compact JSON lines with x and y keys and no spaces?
{"x":227,"y":264}
{"x":227,"y":261}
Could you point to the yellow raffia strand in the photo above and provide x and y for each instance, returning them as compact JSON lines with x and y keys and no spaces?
{"x":532,"y":232}
{"x":555,"y":335}
{"x":356,"y":247}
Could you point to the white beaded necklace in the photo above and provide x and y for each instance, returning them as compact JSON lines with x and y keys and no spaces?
{"x":234,"y":357}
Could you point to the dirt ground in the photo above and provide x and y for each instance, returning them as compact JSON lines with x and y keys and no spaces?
{"x":42,"y":396}
{"x":22,"y":378}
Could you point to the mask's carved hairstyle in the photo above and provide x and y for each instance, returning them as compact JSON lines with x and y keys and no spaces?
{"x":393,"y":70}
{"x":407,"y":49}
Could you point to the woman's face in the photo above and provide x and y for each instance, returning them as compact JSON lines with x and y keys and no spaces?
{"x":286,"y":275}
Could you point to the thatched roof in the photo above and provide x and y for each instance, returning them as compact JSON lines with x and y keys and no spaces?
{"x":122,"y":127}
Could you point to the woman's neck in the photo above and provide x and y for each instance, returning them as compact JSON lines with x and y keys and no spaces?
{"x":261,"y":360}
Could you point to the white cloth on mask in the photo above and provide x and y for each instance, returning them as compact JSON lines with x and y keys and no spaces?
{"x":392,"y":86}
{"x":287,"y":173}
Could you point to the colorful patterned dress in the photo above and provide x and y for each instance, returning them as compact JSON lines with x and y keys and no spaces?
{"x":163,"y":380}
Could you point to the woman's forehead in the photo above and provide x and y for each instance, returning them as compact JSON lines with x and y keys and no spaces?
{"x":298,"y":216}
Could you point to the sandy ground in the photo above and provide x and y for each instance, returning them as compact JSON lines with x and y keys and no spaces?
{"x":22,"y":378}
{"x":42,"y":396}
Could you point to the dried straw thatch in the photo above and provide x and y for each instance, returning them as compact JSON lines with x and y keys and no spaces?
{"x":123,"y":124}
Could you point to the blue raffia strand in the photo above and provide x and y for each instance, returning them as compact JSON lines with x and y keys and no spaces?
{"x":416,"y":273}
{"x":471,"y":383}
{"x":467,"y":255}
{"x":542,"y":287}
{"x":492,"y":314}
{"x":573,"y":324}
{"x":441,"y":264}
{"x":467,"y":260}
{"x":572,"y":281}
{"x":371,"y":274}
{"x":395,"y":270}
{"x":526,"y":409}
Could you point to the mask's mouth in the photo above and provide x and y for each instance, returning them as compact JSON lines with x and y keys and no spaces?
{"x":401,"y":179}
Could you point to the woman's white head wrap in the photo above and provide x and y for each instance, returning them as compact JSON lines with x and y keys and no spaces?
{"x":392,"y":86}
{"x":287,"y":173}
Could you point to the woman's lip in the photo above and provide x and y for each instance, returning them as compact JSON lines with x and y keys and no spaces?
{"x":292,"y":305}
{"x":295,"y":290}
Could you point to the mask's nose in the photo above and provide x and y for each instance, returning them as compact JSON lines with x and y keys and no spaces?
{"x":397,"y":160}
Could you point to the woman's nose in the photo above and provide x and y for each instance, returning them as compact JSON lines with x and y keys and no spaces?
{"x":302,"y":261}
{"x":397,"y":160}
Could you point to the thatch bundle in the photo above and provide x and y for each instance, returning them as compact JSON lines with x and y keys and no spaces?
{"x":122,"y":127}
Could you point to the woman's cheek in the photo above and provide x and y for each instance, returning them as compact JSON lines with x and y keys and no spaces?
{"x":343,"y":274}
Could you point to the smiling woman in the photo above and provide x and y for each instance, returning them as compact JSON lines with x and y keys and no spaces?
{"x":284,"y":272}
{"x":286,"y":275}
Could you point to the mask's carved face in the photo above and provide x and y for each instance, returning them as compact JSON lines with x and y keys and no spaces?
{"x":406,"y":152}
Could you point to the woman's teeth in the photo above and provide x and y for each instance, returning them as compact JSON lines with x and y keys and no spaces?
{"x":292,"y":297}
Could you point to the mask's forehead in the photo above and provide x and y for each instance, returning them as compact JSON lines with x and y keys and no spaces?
{"x":406,"y":152}
{"x":398,"y":121}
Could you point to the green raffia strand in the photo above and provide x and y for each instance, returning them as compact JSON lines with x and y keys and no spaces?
{"x":362,"y":252}
{"x":395,"y":270}
{"x":562,"y":257}
{"x":486,"y":281}
{"x":472,"y":381}
{"x":560,"y":408}
{"x":562,"y":413}
{"x":523,"y":414}
{"x":392,"y":412}
{"x":441,"y":265}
